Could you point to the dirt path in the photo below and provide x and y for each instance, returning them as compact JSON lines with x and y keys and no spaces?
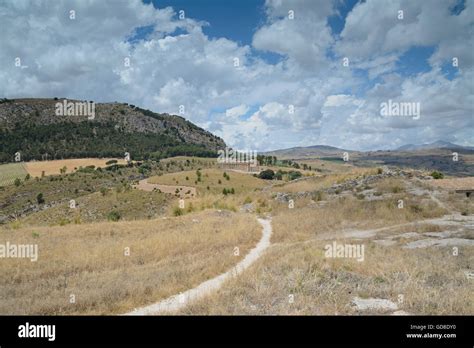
{"x":179,"y":301}
{"x":184,"y":191}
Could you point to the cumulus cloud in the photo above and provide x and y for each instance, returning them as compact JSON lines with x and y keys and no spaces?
{"x":237,"y":111}
{"x":307,"y":98}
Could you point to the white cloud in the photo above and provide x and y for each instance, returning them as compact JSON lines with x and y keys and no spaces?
{"x":237,"y":111}
{"x":333,"y":104}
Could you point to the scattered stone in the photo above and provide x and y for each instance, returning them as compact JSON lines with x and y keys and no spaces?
{"x":407,"y":235}
{"x":385,"y":242}
{"x":440,"y":234}
{"x":400,"y":313}
{"x":424,"y":243}
{"x":248,"y":208}
{"x":469,"y":274}
{"x":374,"y":304}
{"x":282,"y":197}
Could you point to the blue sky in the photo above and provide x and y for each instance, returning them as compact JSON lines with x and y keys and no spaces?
{"x":236,"y":20}
{"x":252,"y":74}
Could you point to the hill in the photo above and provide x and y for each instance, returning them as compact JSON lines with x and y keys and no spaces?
{"x":440,"y":144}
{"x":32,"y":127}
{"x":307,"y":152}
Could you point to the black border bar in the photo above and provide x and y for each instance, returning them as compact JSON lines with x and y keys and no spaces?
{"x":225,"y":330}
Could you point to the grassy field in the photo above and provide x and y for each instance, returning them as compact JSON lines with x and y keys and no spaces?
{"x":10,"y":171}
{"x":174,"y":248}
{"x":300,"y":280}
{"x":166,"y":257}
{"x":127,"y":204}
{"x":53,"y":167}
{"x":454,"y":184}
{"x":306,"y":221}
{"x":197,"y":160}
{"x":295,"y":277}
{"x":321,"y":182}
{"x":212,"y":178}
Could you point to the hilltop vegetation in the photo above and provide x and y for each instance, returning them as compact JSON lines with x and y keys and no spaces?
{"x":30,"y":126}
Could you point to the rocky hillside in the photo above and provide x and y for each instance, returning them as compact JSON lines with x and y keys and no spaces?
{"x":32,"y":127}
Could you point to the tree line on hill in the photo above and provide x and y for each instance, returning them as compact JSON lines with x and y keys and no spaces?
{"x":91,"y":139}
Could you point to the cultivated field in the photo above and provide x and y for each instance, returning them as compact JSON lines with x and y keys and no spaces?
{"x":211,"y":181}
{"x":53,"y":167}
{"x":11,"y":171}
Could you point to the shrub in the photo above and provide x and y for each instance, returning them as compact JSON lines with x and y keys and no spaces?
{"x":437,"y":175}
{"x":177,"y":211}
{"x":397,"y":189}
{"x":416,"y":208}
{"x":111,"y":162}
{"x":267,"y":174}
{"x":103,"y":190}
{"x":224,"y":191}
{"x":319,"y":196}
{"x":114,"y":216}
{"x":17,"y":182}
{"x":63,"y":222}
{"x":39,"y":198}
{"x":292,"y":175}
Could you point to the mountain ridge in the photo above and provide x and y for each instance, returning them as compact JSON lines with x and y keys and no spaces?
{"x":31,"y":126}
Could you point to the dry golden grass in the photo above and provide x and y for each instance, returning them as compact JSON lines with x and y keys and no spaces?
{"x":53,"y":167}
{"x":289,"y":169}
{"x":295,"y":277}
{"x":167,"y":256}
{"x":210,"y":178}
{"x":129,"y":204}
{"x":321,"y":182}
{"x":11,"y":171}
{"x":328,"y":166}
{"x":306,"y":222}
{"x":178,"y":191}
{"x":390,"y":185}
{"x":190,"y":158}
{"x":454,"y":184}
{"x":326,"y":286}
{"x":232,"y":202}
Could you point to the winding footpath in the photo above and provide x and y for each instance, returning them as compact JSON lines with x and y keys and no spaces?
{"x":180,"y":301}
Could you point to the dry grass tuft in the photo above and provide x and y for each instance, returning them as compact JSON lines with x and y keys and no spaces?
{"x":167,"y":256}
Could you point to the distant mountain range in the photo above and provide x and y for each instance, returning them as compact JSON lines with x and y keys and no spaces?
{"x":308,"y":151}
{"x":440,"y":144}
{"x":325,"y":150}
{"x":36,"y":129}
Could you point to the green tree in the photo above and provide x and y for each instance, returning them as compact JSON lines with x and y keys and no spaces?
{"x":267,"y":174}
{"x":39,"y":198}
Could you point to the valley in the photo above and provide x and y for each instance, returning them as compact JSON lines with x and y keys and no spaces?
{"x":310,"y":232}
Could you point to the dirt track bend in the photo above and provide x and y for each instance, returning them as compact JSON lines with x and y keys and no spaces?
{"x":179,"y":301}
